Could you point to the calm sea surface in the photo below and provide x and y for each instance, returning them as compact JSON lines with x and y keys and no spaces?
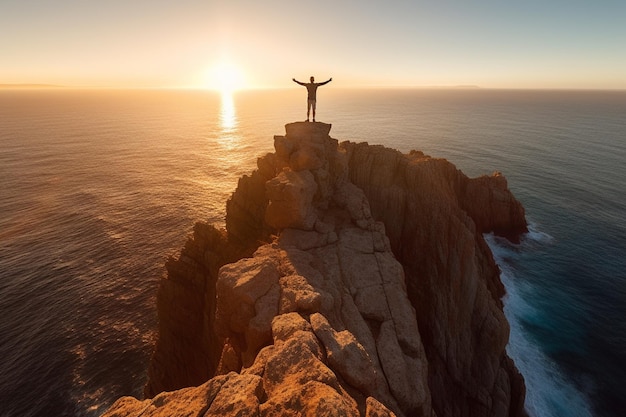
{"x":99,"y":187}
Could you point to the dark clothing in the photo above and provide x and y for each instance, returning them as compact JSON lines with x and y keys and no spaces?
{"x":311,"y":88}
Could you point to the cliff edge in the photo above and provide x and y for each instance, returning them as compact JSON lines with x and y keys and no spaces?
{"x":350,"y":280}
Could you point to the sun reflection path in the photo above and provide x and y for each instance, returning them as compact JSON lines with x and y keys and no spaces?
{"x":228,"y":116}
{"x":229,"y":137}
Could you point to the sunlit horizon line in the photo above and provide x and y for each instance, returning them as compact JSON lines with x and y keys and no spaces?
{"x":468,"y":87}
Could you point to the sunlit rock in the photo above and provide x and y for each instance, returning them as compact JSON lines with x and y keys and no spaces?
{"x":350,"y":280}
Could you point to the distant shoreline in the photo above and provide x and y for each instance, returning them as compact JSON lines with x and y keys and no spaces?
{"x":469,"y":87}
{"x":13,"y":86}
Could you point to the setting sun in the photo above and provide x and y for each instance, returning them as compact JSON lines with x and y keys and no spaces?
{"x":225,"y":77}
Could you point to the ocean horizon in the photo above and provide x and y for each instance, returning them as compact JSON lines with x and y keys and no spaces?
{"x":101,"y":186}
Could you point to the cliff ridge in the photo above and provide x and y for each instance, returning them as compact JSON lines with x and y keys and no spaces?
{"x":350,"y":280}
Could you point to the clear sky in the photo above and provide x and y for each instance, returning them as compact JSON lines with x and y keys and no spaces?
{"x":179,"y":43}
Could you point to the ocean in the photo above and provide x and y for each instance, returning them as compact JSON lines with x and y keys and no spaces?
{"x":99,"y":187}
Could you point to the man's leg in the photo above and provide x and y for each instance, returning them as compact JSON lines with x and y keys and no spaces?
{"x":314,"y":103}
{"x":309,"y":104}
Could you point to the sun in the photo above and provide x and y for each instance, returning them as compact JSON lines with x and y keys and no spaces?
{"x":225,"y":77}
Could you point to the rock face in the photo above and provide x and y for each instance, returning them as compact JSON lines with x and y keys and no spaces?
{"x":350,"y":280}
{"x":434,"y":217}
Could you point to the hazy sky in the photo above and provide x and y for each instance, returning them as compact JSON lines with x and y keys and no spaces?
{"x":143,"y":43}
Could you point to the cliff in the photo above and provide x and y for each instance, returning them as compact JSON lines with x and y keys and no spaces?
{"x":350,"y":280}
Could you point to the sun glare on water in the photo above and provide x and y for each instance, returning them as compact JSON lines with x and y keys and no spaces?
{"x":225,"y":77}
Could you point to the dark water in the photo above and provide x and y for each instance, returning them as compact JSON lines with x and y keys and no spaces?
{"x":99,"y":187}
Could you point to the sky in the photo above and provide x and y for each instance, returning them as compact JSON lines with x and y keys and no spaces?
{"x":392,"y":43}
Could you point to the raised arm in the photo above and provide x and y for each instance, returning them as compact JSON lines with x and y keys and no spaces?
{"x":296,"y":81}
{"x":326,"y":82}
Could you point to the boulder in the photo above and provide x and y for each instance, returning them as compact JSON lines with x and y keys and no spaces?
{"x":290,"y":196}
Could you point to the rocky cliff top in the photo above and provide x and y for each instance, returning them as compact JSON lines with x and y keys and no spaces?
{"x":350,"y":280}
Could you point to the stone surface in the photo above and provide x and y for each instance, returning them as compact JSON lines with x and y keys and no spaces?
{"x":434,"y":217}
{"x":231,"y":394}
{"x":376,"y":409}
{"x":350,"y":280}
{"x":290,"y":196}
{"x":346,"y":355}
{"x":188,"y":350}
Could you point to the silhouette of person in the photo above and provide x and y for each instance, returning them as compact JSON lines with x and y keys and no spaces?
{"x":311,"y":98}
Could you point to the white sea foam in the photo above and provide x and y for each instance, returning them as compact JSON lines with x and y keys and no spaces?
{"x":535,"y":236}
{"x":548,"y":392}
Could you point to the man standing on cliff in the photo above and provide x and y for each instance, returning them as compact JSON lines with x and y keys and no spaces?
{"x":312,"y":90}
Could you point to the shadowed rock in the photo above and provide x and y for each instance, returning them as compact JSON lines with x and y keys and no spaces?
{"x":434,"y":217}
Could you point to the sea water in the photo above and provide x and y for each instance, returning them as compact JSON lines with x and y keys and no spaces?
{"x":98,"y":188}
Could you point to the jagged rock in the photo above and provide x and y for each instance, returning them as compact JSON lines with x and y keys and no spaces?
{"x":298,"y":295}
{"x":239,"y":396}
{"x":231,"y":394}
{"x":399,"y":369}
{"x":245,"y":210}
{"x":230,"y":360}
{"x":434,"y":217}
{"x":493,"y":208}
{"x":376,"y":409}
{"x":310,"y":399}
{"x":239,"y":286}
{"x":352,"y":199}
{"x":310,"y":287}
{"x":304,"y":298}
{"x":188,"y":350}
{"x":285,"y":325}
{"x":346,"y":355}
{"x":305,"y":240}
{"x":290,"y":196}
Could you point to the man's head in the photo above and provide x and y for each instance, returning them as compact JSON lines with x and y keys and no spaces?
{"x":312,"y":79}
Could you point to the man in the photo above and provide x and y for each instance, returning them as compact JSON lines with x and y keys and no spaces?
{"x":312,"y":90}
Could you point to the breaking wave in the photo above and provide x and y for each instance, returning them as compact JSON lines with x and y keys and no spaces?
{"x":549,"y":392}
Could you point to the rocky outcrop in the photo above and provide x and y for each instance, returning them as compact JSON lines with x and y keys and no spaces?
{"x":435,"y":217}
{"x":350,"y":280}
